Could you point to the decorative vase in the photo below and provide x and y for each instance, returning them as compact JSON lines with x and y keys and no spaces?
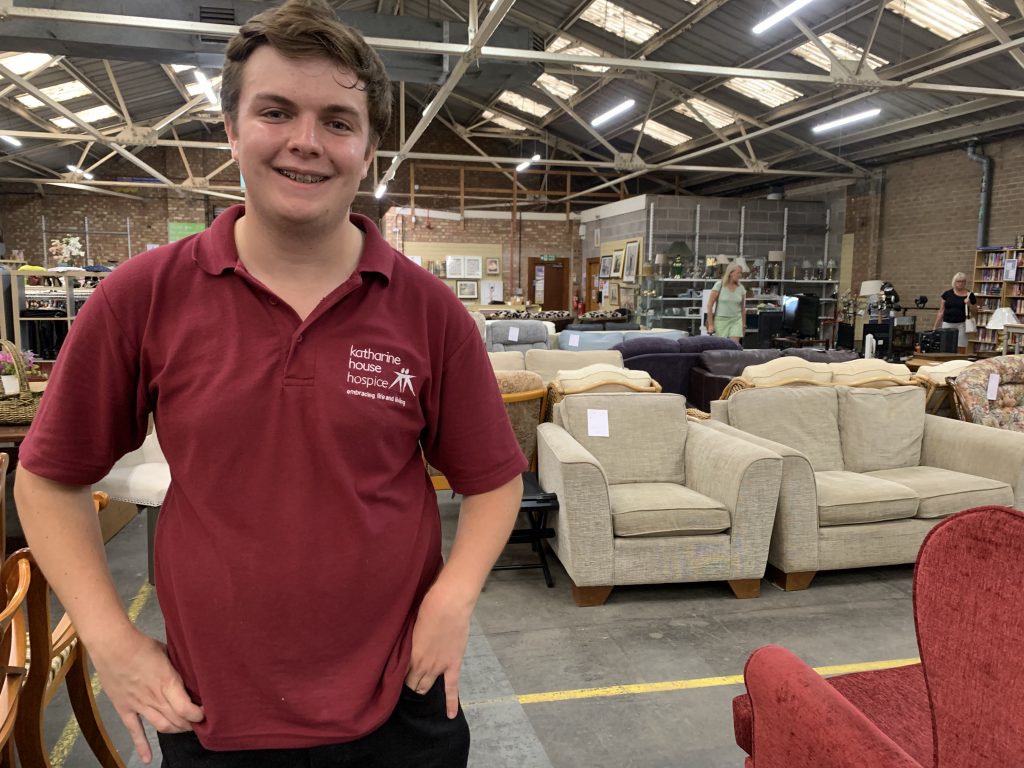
{"x":11,"y":386}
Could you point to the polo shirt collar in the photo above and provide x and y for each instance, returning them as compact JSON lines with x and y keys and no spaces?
{"x":215,"y":251}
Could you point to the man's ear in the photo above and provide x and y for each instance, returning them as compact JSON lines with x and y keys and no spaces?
{"x":371,"y":152}
{"x":229,"y":128}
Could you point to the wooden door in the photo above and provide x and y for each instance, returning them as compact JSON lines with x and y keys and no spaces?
{"x":555,"y":277}
{"x":590,"y":294}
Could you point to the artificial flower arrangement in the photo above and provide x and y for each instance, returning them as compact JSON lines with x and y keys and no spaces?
{"x":28,"y":357}
{"x":67,"y":249}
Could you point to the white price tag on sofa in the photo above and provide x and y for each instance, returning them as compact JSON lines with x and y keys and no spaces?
{"x":597,"y":422}
{"x":513,"y":333}
{"x":574,"y":339}
{"x":993,"y":386}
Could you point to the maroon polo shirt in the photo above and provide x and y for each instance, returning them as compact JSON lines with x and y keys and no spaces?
{"x":300,"y":530}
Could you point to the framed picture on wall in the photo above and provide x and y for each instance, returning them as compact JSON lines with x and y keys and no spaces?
{"x":606,"y":266}
{"x":493,"y":267}
{"x":613,"y":294}
{"x":617,"y":263}
{"x":627,"y":297}
{"x":466,"y":289}
{"x":473,"y":267}
{"x":455,"y":267}
{"x":629,"y":265}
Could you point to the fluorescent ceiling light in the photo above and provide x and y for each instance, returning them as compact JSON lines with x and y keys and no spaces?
{"x":857,"y":117}
{"x":698,"y":108}
{"x":523,"y":104}
{"x":613,"y":112}
{"x":504,"y":122}
{"x":663,"y":133}
{"x":949,"y":19}
{"x":526,"y":163}
{"x":72,"y":89}
{"x":556,"y":86}
{"x":381,"y":189}
{"x":91,"y":115}
{"x":23,"y":63}
{"x":771,"y":93}
{"x":842,"y":49}
{"x":182,"y":67}
{"x":576,"y":48}
{"x":84,"y":174}
{"x":207,"y":87}
{"x":779,"y":15}
{"x":11,"y":140}
{"x":617,"y":20}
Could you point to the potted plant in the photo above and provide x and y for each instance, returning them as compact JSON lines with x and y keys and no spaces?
{"x":9,"y":373}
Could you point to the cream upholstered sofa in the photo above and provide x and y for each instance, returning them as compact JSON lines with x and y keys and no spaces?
{"x":548,"y":362}
{"x":866,"y":472}
{"x":787,"y":371}
{"x":657,"y":500}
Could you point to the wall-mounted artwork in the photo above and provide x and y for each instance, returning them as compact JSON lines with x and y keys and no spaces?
{"x":466,"y":289}
{"x":472,"y":267}
{"x":617,"y":263}
{"x":606,"y":267}
{"x":493,"y":267}
{"x":455,"y":267}
{"x":629,"y":265}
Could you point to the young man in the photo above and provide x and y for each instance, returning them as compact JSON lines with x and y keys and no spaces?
{"x":298,"y":370}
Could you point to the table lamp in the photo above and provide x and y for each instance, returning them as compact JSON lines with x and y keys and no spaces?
{"x":871,"y":289}
{"x":774,"y":260}
{"x":999,"y":320}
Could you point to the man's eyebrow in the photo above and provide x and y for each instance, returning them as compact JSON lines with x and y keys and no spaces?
{"x":284,"y":101}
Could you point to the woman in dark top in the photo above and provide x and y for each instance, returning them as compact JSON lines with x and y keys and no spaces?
{"x":956,"y":305}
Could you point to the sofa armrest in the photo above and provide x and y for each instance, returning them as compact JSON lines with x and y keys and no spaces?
{"x":583,"y":527}
{"x":791,"y":704}
{"x":794,"y":545}
{"x":975,"y":449}
{"x":706,"y":386}
{"x":746,"y":478}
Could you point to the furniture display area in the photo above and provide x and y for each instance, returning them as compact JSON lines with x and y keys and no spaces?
{"x":962,"y":705}
{"x":647,"y":498}
{"x":998,"y":281}
{"x":866,"y":473}
{"x":669,"y":361}
{"x":971,"y":394}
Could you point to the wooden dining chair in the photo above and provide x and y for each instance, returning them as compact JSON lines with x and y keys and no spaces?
{"x":57,"y":657}
{"x":16,"y":578}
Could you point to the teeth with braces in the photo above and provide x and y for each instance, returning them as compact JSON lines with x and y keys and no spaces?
{"x":302,"y":177}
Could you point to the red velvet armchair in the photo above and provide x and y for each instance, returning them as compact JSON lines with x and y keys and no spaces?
{"x":962,"y":706}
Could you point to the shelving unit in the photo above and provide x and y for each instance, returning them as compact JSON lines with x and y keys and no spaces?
{"x":993,"y":290}
{"x":43,"y":313}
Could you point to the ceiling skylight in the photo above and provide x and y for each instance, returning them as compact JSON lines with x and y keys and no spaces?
{"x":565,"y":45}
{"x":949,"y":19}
{"x":504,"y":122}
{"x":842,"y":49}
{"x":560,"y":88}
{"x":23,"y":63}
{"x":617,"y":20}
{"x":91,"y":115}
{"x":698,"y":108}
{"x":182,"y":67}
{"x":523,"y":104}
{"x":771,"y":93}
{"x":72,"y":89}
{"x":663,"y":133}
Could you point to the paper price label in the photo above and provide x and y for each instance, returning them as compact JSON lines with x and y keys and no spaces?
{"x":993,"y":386}
{"x":597,"y":422}
{"x":574,"y":339}
{"x":513,"y":333}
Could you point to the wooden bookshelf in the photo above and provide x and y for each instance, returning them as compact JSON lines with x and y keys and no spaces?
{"x":994,"y":287}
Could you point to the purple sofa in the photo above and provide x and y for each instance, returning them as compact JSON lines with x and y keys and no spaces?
{"x":669,"y":360}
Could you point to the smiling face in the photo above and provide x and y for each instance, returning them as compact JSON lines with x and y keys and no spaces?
{"x":302,"y":141}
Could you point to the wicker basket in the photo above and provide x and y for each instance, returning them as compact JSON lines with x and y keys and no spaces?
{"x":20,"y":408}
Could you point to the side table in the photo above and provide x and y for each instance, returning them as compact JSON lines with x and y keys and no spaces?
{"x":534,"y":507}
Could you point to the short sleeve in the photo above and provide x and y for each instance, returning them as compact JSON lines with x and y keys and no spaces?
{"x":717,"y":286}
{"x":974,"y":299}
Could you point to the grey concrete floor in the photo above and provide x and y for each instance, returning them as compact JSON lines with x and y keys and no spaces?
{"x":528,"y":639}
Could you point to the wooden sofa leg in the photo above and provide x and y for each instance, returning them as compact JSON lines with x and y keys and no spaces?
{"x":791,"y":582}
{"x":587,"y":597}
{"x":744,"y":588}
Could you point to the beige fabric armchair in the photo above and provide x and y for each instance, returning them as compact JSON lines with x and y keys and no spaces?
{"x":866,"y":472}
{"x":659,"y":500}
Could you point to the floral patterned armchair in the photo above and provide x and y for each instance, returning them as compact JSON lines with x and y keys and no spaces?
{"x":970,"y":393}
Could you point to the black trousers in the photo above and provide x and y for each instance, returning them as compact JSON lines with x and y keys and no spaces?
{"x":417,"y":735}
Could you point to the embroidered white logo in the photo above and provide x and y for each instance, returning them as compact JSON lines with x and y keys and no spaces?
{"x":367,"y":372}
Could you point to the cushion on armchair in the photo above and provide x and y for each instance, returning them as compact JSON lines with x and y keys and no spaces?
{"x":510,"y":335}
{"x":600,"y":375}
{"x":881,"y":428}
{"x":659,"y":418}
{"x":664,"y":509}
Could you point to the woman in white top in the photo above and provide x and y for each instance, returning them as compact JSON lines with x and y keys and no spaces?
{"x":727,"y":305}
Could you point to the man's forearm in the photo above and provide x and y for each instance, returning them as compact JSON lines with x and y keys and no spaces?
{"x":63,"y":532}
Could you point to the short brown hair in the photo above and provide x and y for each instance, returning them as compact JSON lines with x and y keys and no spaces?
{"x":304,"y":29}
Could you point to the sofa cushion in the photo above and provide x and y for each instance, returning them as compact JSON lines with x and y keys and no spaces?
{"x":944,"y":492}
{"x":869,"y":373}
{"x":586,"y":378}
{"x":786,"y":369}
{"x":804,"y":418}
{"x":507,"y":361}
{"x":700,"y":343}
{"x":548,"y":362}
{"x":881,"y":428}
{"x":508,"y":335}
{"x":660,"y":418}
{"x":846,"y":498}
{"x":573,"y":341}
{"x":664,"y":509}
{"x":812,"y":355}
{"x":650,"y":344}
{"x":662,"y":333}
{"x":731,"y":362}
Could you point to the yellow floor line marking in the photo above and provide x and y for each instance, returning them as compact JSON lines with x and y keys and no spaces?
{"x":702,"y":682}
{"x":70,"y":734}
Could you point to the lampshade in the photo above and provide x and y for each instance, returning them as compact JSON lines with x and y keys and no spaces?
{"x":776,"y":256}
{"x":744,"y":267}
{"x":870,"y":287}
{"x":1000,"y":318}
{"x":723,"y":258}
{"x":807,"y":264}
{"x":661,"y":259}
{"x":679,"y":248}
